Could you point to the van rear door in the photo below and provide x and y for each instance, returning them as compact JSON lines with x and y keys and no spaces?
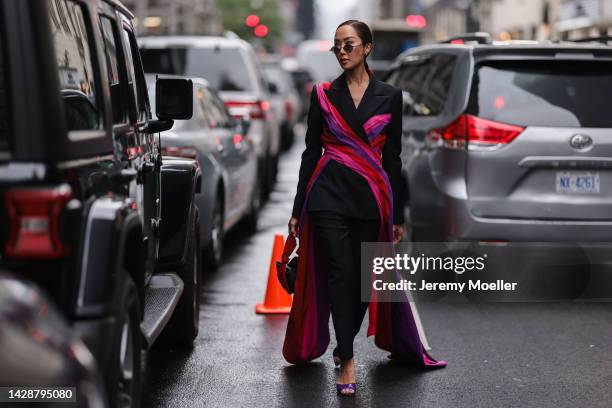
{"x":540,"y":139}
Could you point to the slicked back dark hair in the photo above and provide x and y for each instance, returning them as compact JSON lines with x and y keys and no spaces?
{"x":364,"y":33}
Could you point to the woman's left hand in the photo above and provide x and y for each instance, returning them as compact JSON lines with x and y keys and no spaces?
{"x":398,"y":232}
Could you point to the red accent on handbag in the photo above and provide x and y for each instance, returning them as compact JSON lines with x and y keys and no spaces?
{"x":286,"y":269}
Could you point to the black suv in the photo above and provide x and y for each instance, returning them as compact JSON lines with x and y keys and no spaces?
{"x":91,"y":211}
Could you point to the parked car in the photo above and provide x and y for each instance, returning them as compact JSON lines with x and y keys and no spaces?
{"x":232,"y":68}
{"x":37,"y":346}
{"x":228,"y":161}
{"x":284,"y":98}
{"x":314,"y":55}
{"x":91,"y":211}
{"x":507,"y":141}
{"x":302,"y":81}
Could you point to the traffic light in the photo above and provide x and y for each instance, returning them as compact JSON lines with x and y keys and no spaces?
{"x":252,"y":20}
{"x":416,"y":21}
{"x":261,"y":31}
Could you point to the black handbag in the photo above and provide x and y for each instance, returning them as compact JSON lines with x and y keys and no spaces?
{"x":286,"y":269}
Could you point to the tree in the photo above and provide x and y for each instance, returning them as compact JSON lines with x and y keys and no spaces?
{"x":234,"y":13}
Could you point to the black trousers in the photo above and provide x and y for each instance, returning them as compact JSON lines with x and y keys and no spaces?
{"x":338,"y":239}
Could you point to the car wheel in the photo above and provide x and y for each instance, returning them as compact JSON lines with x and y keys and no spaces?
{"x":288,"y":136}
{"x":264,"y":177}
{"x":272,"y":171}
{"x":214,"y":250}
{"x":252,"y":217}
{"x":408,"y":225}
{"x":184,"y":324}
{"x":125,"y":376}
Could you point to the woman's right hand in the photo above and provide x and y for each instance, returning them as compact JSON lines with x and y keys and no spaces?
{"x":293,"y":222}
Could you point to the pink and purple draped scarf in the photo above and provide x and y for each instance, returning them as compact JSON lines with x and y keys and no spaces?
{"x":392,"y":323}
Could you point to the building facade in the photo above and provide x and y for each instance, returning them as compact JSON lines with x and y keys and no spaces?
{"x":176,"y":16}
{"x":583,"y":18}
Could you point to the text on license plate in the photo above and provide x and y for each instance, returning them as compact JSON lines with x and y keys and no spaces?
{"x":577,"y":182}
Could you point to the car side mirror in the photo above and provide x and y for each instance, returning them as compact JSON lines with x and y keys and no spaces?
{"x":272,"y":88}
{"x":174,"y":98}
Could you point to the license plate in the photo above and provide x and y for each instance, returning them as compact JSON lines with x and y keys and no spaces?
{"x":577,"y":182}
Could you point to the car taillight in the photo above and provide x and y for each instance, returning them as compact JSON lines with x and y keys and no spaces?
{"x":477,"y":133}
{"x":307,"y":87}
{"x":253,"y":109}
{"x":288,"y":109}
{"x":188,"y":152}
{"x":34,"y":222}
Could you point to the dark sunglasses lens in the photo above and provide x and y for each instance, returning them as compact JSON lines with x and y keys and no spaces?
{"x":348,"y":48}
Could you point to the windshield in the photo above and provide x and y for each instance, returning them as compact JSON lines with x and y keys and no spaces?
{"x":224,"y":68}
{"x":544,"y":93}
{"x":322,"y":65}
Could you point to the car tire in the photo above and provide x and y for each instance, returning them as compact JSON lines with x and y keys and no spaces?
{"x":288,"y":136}
{"x":251,"y":219}
{"x":272,"y":171}
{"x":124,"y":380}
{"x":410,"y":234}
{"x":213,"y":253}
{"x":264,"y":176}
{"x":183,"y":327}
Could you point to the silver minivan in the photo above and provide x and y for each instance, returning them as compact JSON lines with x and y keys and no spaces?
{"x":507,"y":141}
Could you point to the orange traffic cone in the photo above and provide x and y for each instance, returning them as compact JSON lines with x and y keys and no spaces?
{"x":277,"y":300}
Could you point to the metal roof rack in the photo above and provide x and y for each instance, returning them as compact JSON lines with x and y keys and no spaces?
{"x":469,"y":38}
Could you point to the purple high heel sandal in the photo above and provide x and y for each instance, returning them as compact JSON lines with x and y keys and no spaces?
{"x":349,"y":386}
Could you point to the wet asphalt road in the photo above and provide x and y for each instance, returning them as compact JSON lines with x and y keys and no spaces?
{"x":499,"y":354}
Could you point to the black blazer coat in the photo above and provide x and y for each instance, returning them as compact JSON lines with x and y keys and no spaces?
{"x":339,"y":188}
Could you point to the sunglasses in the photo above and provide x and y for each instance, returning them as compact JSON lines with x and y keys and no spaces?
{"x":348,"y":48}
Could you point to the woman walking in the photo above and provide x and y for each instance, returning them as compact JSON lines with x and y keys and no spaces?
{"x":351,"y":193}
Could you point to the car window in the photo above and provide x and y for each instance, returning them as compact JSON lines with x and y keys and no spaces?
{"x":224,"y":68}
{"x":199,"y":115}
{"x":135,"y":77}
{"x":543,"y":93}
{"x":5,"y":112}
{"x":75,"y":67}
{"x":219,"y":109}
{"x":278,"y":77}
{"x":425,"y":83}
{"x":117,"y":89}
{"x":214,"y":116}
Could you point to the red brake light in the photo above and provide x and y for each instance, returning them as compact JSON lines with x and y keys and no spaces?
{"x":308,"y":87}
{"x":254,"y":109}
{"x":34,"y":222}
{"x":288,"y":109}
{"x":484,"y":132}
{"x":477,"y":132}
{"x":188,"y":152}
